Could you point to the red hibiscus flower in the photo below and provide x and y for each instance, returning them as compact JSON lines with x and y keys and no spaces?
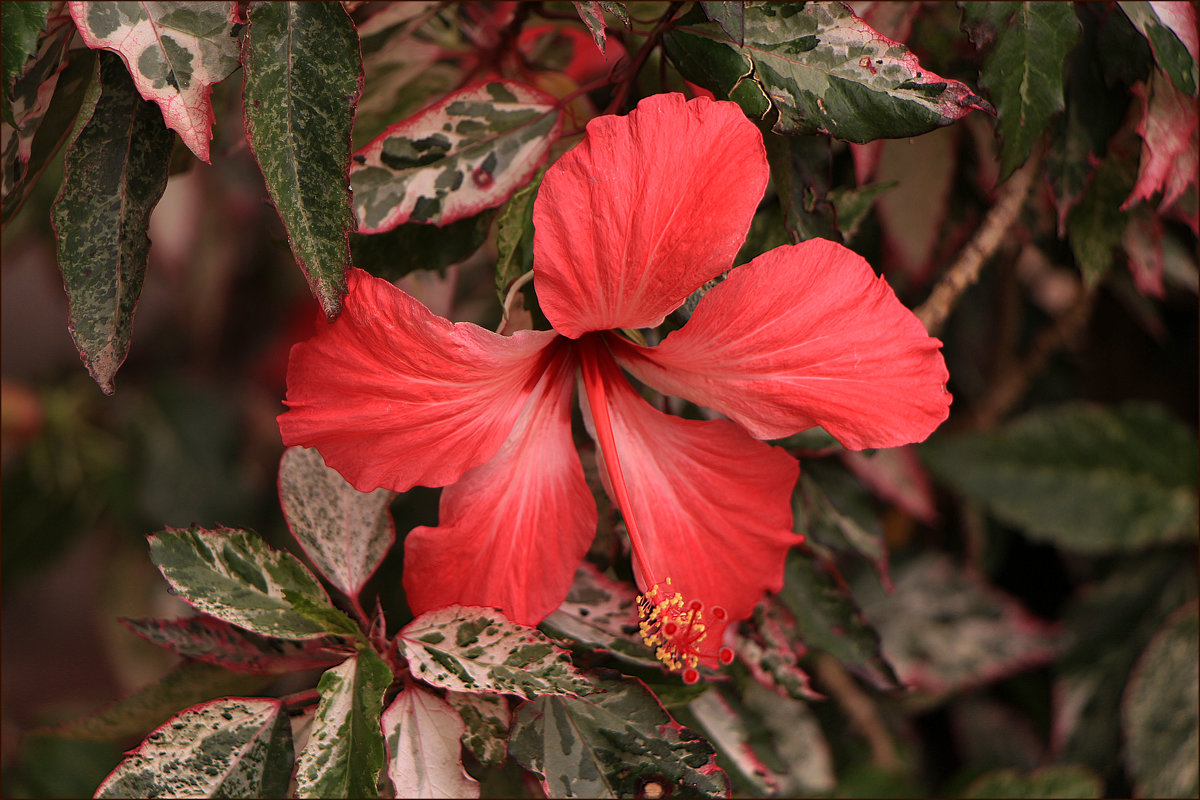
{"x":642,"y":213}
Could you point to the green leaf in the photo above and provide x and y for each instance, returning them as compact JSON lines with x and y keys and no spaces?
{"x":424,"y":742}
{"x":468,"y":649}
{"x":233,"y":747}
{"x":486,"y":719}
{"x":175,"y":52}
{"x":1095,"y":226}
{"x":592,"y":14}
{"x":730,"y":16}
{"x":21,"y":26}
{"x":514,"y":236}
{"x":828,"y":619}
{"x":613,"y":743}
{"x":1056,"y":780}
{"x":945,"y":629}
{"x":345,"y":533}
{"x":344,"y":754}
{"x":1167,"y":28}
{"x":303,"y":78}
{"x":1087,"y":478}
{"x":467,"y":152}
{"x":115,"y":173}
{"x":217,"y":642}
{"x":801,"y":169}
{"x":189,"y":683}
{"x":1025,"y":71}
{"x":235,"y":576}
{"x":852,"y":204}
{"x":827,"y":527}
{"x":414,"y":246}
{"x":1159,"y":713}
{"x":822,"y":69}
{"x":601,"y":613}
{"x":20,"y":176}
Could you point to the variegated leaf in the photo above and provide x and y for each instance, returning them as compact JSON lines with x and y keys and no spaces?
{"x":423,"y":734}
{"x":218,"y":642}
{"x":592,"y":14}
{"x":233,"y":747}
{"x":21,"y":25}
{"x":302,"y":80}
{"x":514,"y":237}
{"x":729,"y":732}
{"x":233,"y":575}
{"x":344,"y":754}
{"x":465,"y":153}
{"x":601,"y":612}
{"x":1171,"y":30}
{"x":175,"y":52}
{"x":486,"y":718}
{"x":116,"y":171}
{"x":613,"y":743}
{"x":345,"y":532}
{"x":822,"y":69}
{"x":27,"y":94}
{"x":471,"y":649}
{"x":771,"y":648}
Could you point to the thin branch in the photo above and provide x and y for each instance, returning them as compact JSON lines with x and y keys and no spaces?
{"x":965,"y":271}
{"x":861,"y":709}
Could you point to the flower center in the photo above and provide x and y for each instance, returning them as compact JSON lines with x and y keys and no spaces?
{"x":675,"y":627}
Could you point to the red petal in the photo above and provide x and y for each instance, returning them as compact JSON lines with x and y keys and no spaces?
{"x":643,"y":211}
{"x":707,"y":506}
{"x":804,"y":335}
{"x":513,"y":531}
{"x":394,"y":396}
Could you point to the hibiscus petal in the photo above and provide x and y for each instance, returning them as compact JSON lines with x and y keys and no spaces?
{"x":804,"y":335}
{"x":643,"y":211}
{"x":707,"y":506}
{"x":512,"y":531}
{"x":393,"y":396}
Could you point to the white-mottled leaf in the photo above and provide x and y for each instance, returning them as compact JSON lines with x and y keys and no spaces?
{"x":1159,"y":711}
{"x":175,"y":52}
{"x":345,"y":532}
{"x":601,"y":612}
{"x":470,"y":649}
{"x":232,"y":747}
{"x":423,"y":734}
{"x":486,"y":718}
{"x":728,"y":731}
{"x":344,"y":753}
{"x":467,"y":152}
{"x":233,"y":575}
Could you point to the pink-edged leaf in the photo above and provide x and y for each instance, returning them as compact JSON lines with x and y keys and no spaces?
{"x":486,"y":719}
{"x":423,"y":735}
{"x":602,"y":613}
{"x":466,"y":649}
{"x":643,"y":211}
{"x":945,"y":629}
{"x":1170,"y":142}
{"x":216,"y":642}
{"x":1143,"y":243}
{"x":592,"y":14}
{"x":28,"y":96}
{"x":613,"y":743}
{"x":771,"y":647}
{"x":467,"y":152}
{"x":345,"y":532}
{"x":232,"y":747}
{"x":175,"y":52}
{"x":897,"y":476}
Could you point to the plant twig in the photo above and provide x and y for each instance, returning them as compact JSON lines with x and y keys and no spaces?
{"x":965,"y":270}
{"x":863,"y":712}
{"x":1011,"y":384}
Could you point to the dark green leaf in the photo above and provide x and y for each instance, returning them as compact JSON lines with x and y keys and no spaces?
{"x":828,"y":619}
{"x":1096,"y":225}
{"x":826,"y":525}
{"x":853,"y":204}
{"x":115,"y":173}
{"x":1167,"y":27}
{"x":602,"y":613}
{"x":1057,"y":780}
{"x":612,"y":744}
{"x":1160,"y":715}
{"x":822,"y":69}
{"x":730,"y":16}
{"x":233,"y":575}
{"x":344,"y":754}
{"x":801,"y":170}
{"x":33,"y":52}
{"x":514,"y":236}
{"x":617,"y":9}
{"x":468,"y":152}
{"x":1024,"y":72}
{"x":233,"y":747}
{"x":20,"y":26}
{"x":303,"y":77}
{"x":1085,"y":477}
{"x":406,"y":248}
{"x":472,"y":650}
{"x":189,"y":683}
